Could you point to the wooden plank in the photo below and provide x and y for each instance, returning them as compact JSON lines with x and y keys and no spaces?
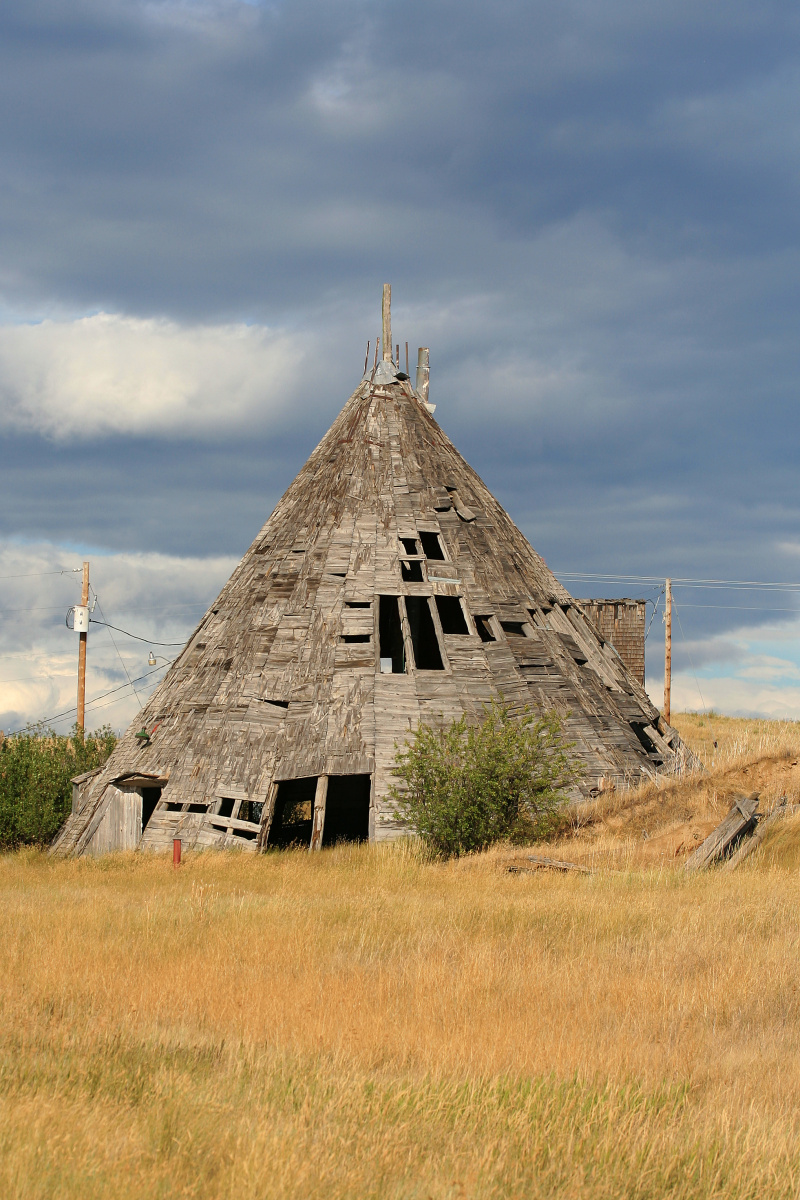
{"x":740,"y":821}
{"x":319,"y":813}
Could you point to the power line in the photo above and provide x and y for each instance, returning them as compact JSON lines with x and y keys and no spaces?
{"x":36,"y":574}
{"x":92,"y":703}
{"x":116,"y":647}
{"x":147,"y":641}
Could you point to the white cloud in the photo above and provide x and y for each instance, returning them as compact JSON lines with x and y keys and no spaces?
{"x":158,"y":597}
{"x":112,"y":374}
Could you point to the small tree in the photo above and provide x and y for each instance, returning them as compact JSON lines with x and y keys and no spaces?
{"x":36,"y":768}
{"x":465,"y":787}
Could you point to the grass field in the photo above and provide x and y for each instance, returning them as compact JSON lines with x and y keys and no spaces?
{"x":361,"y":1023}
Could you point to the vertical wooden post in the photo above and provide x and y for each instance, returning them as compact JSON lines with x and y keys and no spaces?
{"x":387,"y":322}
{"x":667,"y":650}
{"x":318,"y":827}
{"x":82,"y":653}
{"x":423,"y":373}
{"x":397,"y":358}
{"x":176,"y":852}
{"x":366,"y":358}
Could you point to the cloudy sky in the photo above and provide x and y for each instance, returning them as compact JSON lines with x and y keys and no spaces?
{"x":589,"y":212}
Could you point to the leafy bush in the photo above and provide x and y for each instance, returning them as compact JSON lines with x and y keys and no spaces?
{"x":35,"y":773}
{"x":467,"y":786}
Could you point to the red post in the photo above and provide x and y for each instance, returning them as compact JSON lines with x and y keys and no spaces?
{"x":176,"y":852}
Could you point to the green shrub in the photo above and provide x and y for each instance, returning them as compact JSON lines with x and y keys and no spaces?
{"x":35,"y":772}
{"x":467,"y":786}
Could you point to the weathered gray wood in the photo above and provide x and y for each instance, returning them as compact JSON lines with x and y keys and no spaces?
{"x":548,"y":864}
{"x":319,"y":813}
{"x":268,"y":688}
{"x":782,"y":809}
{"x":740,"y":820}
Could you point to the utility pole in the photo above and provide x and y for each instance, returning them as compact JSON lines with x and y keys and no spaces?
{"x":84,"y":634}
{"x":667,"y":649}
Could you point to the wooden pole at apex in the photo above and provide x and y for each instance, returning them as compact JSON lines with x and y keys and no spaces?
{"x":82,"y":653}
{"x":387,"y":322}
{"x":667,"y":650}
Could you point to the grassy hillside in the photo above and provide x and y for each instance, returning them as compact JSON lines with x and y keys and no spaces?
{"x":360,"y":1023}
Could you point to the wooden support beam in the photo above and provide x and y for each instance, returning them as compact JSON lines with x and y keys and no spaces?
{"x":387,"y":322}
{"x":318,"y":827}
{"x":423,"y":373}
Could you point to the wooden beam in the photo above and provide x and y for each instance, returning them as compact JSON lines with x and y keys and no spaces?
{"x":387,"y":322}
{"x":739,"y":821}
{"x":318,"y":827}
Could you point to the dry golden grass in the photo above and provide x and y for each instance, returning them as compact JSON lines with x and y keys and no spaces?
{"x":361,"y":1023}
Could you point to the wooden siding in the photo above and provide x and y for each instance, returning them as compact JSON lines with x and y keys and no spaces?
{"x":269,"y":688}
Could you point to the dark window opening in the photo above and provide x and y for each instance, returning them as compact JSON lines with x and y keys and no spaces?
{"x":338,"y":574}
{"x":248,"y":835}
{"x":411,"y":572}
{"x":484,"y":627}
{"x":294,"y":813}
{"x":451,"y":614}
{"x":410,"y":545}
{"x":515,"y":628}
{"x":431,"y":545}
{"x":197,"y":808}
{"x":346,"y":809}
{"x":251,"y":810}
{"x":226,"y":808}
{"x":358,"y":603}
{"x":275,"y":703}
{"x":392,"y":650}
{"x":356,"y":637}
{"x":427,"y":655}
{"x":174,"y":806}
{"x":219,"y":828}
{"x":150,"y":798}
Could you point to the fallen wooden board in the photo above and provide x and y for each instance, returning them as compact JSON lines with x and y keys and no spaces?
{"x":740,"y":821}
{"x":550,"y":864}
{"x":782,"y":809}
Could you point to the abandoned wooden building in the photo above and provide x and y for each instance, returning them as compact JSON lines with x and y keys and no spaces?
{"x":388,"y":587}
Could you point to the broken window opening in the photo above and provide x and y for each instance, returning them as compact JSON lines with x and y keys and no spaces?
{"x":410,"y":545}
{"x":411,"y":572}
{"x":294,"y":813}
{"x":251,"y":810}
{"x":349,"y":638}
{"x":226,"y":807}
{"x":347,"y":809}
{"x":197,"y":808}
{"x":358,"y":603}
{"x":451,"y":614}
{"x":514,"y":628}
{"x":431,"y":546}
{"x":427,"y":655}
{"x":247,"y":835}
{"x":174,"y":806}
{"x":484,"y":628}
{"x":275,"y":703}
{"x":390,"y":631}
{"x":150,"y":798}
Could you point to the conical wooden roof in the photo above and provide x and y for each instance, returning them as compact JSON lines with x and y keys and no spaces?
{"x":388,"y":587}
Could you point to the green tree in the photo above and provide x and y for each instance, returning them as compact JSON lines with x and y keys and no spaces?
{"x":464,"y":787}
{"x":36,"y":768}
